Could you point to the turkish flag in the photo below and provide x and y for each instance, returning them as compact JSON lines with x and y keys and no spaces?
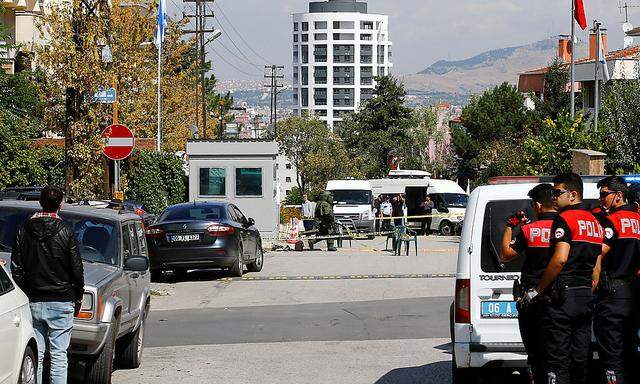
{"x":580,"y":15}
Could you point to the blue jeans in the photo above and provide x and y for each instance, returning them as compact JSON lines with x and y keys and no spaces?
{"x":53,"y":321}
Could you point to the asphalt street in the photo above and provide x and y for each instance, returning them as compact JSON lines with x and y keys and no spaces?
{"x":360,"y":315}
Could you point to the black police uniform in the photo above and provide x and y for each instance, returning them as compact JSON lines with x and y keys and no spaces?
{"x":613,"y":322}
{"x":534,"y":240}
{"x":566,"y":320}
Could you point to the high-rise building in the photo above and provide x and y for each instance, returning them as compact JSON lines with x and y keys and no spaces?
{"x":338,"y":49}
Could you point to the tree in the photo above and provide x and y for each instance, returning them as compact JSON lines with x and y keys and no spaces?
{"x":620,"y":118}
{"x":493,"y":128}
{"x":157,"y":180}
{"x":220,"y":106}
{"x":381,"y":128}
{"x":549,"y":151}
{"x":316,"y":153}
{"x":21,"y":122}
{"x":76,"y":68}
{"x":556,"y":99}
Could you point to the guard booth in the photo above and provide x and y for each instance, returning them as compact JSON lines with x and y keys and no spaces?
{"x":242,"y":172}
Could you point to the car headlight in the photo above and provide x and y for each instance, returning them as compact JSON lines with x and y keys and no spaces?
{"x":367,"y":215}
{"x":87,"y":308}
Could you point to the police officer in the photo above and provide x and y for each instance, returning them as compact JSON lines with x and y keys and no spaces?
{"x":533,"y":242}
{"x":633,"y":197}
{"x":618,"y":265}
{"x":576,"y":243}
{"x":325,"y":219}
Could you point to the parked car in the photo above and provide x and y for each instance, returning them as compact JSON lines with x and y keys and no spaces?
{"x":19,"y":349}
{"x":21,"y":193}
{"x":136,"y":207}
{"x":484,"y":318}
{"x":116,"y":302}
{"x":204,"y":235}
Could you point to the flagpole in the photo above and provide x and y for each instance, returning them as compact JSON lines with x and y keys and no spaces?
{"x":159,"y":133}
{"x":573,"y":58}
{"x":596,"y":77}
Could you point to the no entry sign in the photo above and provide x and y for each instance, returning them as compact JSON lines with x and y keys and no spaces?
{"x":119,"y":142}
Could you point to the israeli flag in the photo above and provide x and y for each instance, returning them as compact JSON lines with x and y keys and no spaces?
{"x":161,"y":24}
{"x":603,"y":60}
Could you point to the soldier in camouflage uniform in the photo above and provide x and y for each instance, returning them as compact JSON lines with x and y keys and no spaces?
{"x":324,"y":219}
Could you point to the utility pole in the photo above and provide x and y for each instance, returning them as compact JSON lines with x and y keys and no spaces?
{"x":274,"y":86}
{"x":201,"y":16}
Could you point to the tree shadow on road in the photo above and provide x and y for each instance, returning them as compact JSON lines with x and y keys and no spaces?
{"x":438,"y":372}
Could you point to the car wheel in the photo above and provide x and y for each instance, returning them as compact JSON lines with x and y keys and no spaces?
{"x":28,"y":369}
{"x":99,"y":368}
{"x":257,"y":264}
{"x":446,"y":228}
{"x":129,"y":348}
{"x":156,"y":275}
{"x":237,"y":268}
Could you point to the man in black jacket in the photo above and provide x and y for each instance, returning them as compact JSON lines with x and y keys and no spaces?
{"x":46,"y":265}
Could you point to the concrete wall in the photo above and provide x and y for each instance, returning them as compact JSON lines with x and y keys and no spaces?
{"x":231,"y":155}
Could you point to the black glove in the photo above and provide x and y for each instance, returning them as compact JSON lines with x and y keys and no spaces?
{"x":76,"y":308}
{"x":516,"y":219}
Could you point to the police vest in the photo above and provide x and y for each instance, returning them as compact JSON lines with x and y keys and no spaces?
{"x":622,"y":234}
{"x":534,"y":240}
{"x":581,"y":230}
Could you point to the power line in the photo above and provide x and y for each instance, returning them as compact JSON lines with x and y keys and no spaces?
{"x":221,"y":57}
{"x":246,"y":59}
{"x":238,"y":33}
{"x":238,"y":57}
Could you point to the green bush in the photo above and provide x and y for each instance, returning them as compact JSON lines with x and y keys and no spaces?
{"x":157,"y":180}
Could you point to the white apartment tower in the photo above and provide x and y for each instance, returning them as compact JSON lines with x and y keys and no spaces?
{"x":338,"y":48}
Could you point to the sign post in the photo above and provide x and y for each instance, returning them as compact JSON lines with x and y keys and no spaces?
{"x":118,"y":145}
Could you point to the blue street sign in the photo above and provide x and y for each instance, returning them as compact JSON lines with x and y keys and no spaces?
{"x":105,"y":96}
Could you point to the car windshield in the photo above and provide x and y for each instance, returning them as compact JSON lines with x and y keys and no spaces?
{"x":353,"y":197}
{"x":192,"y":213}
{"x":96,"y":237}
{"x":455,"y":200}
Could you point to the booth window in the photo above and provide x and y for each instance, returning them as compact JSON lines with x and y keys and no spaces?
{"x":248,"y":181}
{"x":212,"y":181}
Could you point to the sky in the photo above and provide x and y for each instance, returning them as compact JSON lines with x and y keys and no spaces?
{"x":258,"y":32}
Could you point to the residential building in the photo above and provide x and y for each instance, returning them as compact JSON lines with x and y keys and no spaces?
{"x":622,"y":65}
{"x":20,"y":18}
{"x":338,"y":49}
{"x":286,"y":177}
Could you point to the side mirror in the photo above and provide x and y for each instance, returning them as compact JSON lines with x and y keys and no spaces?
{"x":136,"y":264}
{"x":251,"y":222}
{"x":442,"y":208}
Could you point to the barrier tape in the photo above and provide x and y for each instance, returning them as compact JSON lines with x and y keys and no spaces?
{"x":343,"y":277}
{"x":284,"y":236}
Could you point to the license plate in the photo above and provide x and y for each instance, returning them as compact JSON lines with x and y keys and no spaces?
{"x":499,"y":310}
{"x":183,"y":238}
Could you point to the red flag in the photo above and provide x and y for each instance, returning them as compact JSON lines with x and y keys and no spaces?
{"x":580,"y":15}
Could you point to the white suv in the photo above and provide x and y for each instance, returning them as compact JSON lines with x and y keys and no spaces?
{"x":484,"y":324}
{"x":18,"y":346}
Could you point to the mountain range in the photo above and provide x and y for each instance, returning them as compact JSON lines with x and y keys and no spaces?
{"x":462,"y":78}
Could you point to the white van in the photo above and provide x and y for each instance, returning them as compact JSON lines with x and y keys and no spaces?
{"x":353,"y":202}
{"x":448,"y":197}
{"x":484,"y":324}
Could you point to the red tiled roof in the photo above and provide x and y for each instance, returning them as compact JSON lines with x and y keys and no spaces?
{"x":627,"y":53}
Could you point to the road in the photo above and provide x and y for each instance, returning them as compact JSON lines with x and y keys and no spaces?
{"x":360,"y":315}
